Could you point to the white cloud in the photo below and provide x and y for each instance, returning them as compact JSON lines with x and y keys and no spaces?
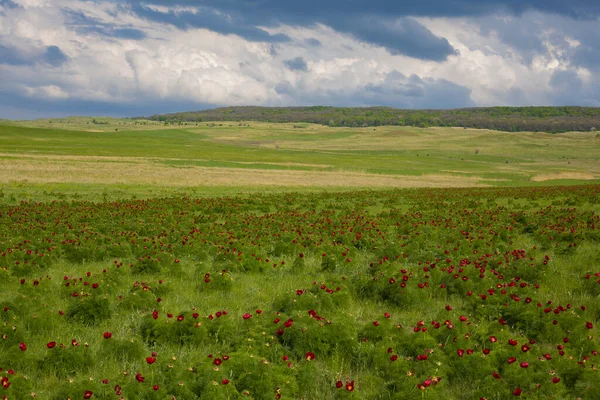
{"x":198,"y":66}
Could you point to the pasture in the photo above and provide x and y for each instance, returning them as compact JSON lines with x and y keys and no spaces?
{"x":129,"y":156}
{"x":143,"y":261}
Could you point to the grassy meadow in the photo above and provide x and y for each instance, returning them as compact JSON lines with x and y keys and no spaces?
{"x":296,"y":261}
{"x":53,"y":156}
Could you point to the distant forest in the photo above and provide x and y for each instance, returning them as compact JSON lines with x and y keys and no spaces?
{"x":510,"y":119}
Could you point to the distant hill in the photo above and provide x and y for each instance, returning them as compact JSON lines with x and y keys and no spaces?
{"x":510,"y":119}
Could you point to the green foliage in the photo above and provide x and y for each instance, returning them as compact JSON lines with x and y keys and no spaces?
{"x":402,"y":294}
{"x":179,"y":329}
{"x":65,"y":361}
{"x":89,"y":310}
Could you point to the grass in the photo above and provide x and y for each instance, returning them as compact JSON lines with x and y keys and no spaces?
{"x":370,"y":237}
{"x":263,"y":154}
{"x":207,"y":198}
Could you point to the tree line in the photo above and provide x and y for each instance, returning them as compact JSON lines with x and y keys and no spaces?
{"x":509,"y":119}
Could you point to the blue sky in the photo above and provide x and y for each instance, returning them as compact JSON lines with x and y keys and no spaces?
{"x":127,"y":58}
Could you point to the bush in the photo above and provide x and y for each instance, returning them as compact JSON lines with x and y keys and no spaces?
{"x":89,"y":310}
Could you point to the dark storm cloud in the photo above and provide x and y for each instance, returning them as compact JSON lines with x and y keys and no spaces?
{"x":54,"y":56}
{"x":209,"y":18}
{"x":51,"y":55}
{"x":296,"y":64}
{"x":398,"y":34}
{"x":307,"y":11}
{"x":378,"y":22}
{"x":402,"y":36}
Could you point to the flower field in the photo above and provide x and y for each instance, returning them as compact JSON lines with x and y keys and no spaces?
{"x":406,"y":294}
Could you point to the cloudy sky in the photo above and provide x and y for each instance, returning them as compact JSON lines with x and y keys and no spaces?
{"x":130,"y":57}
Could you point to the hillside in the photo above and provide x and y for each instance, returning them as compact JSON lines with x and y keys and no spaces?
{"x":509,"y":119}
{"x":136,"y":157}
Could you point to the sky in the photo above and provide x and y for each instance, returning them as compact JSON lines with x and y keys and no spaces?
{"x":132,"y":58}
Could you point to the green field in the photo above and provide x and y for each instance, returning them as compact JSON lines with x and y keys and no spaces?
{"x":128,"y":156}
{"x":401,"y":294}
{"x":278,"y":261}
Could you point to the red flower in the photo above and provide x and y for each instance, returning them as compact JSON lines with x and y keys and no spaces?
{"x":394,"y":357}
{"x":589,"y":325}
{"x":517,"y":392}
{"x":217,"y":361}
{"x":376,"y":323}
{"x":247,"y":316}
{"x":460,"y":352}
{"x":51,"y":345}
{"x":180,"y":318}
{"x":259,"y":311}
{"x":107,"y":335}
{"x":88,"y":394}
{"x":339,"y":384}
{"x":288,"y":323}
{"x":225,"y":382}
{"x":310,"y":356}
{"x":155,"y":387}
{"x":524,"y":364}
{"x":139,"y":378}
{"x":350,"y":386}
{"x":22,"y":346}
{"x":512,"y":360}
{"x":150,"y":360}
